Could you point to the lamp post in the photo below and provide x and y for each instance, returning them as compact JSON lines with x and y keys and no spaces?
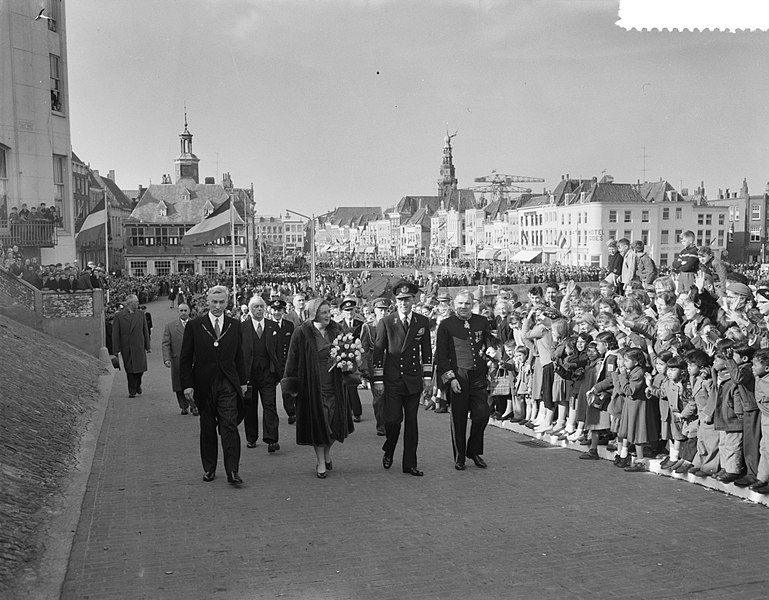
{"x":312,"y":243}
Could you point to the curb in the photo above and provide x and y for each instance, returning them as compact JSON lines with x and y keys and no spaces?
{"x":654,"y":464}
{"x":60,"y":533}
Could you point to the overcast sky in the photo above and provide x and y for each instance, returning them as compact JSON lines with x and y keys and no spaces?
{"x":346,"y":102}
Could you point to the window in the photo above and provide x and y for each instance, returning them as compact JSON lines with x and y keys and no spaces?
{"x":138,"y":268}
{"x":678,"y":236}
{"x":721,"y":219}
{"x":228,"y":266}
{"x":699,"y":237}
{"x":563,"y":219}
{"x":612,"y":217}
{"x":56,"y":94}
{"x":644,"y":216}
{"x":736,"y":213}
{"x":666,"y":214}
{"x":628,"y":235}
{"x":708,"y":219}
{"x":210,"y":267}
{"x":700,"y":219}
{"x":731,"y":236}
{"x":755,"y":212}
{"x":664,"y":259}
{"x":679,"y":212}
{"x":731,"y":213}
{"x":628,"y":216}
{"x":645,"y":236}
{"x":162,"y":267}
{"x":664,"y":236}
{"x":579,"y":218}
{"x":755,"y":233}
{"x":579,"y":238}
{"x":59,"y":169}
{"x":615,"y":217}
{"x":595,"y":261}
{"x":720,"y":238}
{"x":613,"y":234}
{"x":53,"y":11}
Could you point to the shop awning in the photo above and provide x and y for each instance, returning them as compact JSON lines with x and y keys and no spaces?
{"x":408,"y":250}
{"x":487,"y":254}
{"x":370,"y":249}
{"x":360,"y":250}
{"x":526,"y":255}
{"x":503,"y":254}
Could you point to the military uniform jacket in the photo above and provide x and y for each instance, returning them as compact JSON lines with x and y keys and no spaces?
{"x":285,"y":330}
{"x":403,"y":356}
{"x":451,"y":330}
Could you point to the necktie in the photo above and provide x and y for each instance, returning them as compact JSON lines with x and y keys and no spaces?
{"x":217,"y":329}
{"x":406,"y":323}
{"x":259,"y":329}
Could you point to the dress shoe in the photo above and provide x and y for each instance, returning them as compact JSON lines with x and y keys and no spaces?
{"x":185,"y":411}
{"x":718,"y":473}
{"x":319,"y":474}
{"x":636,"y":467}
{"x":590,"y":455}
{"x":329,"y":465}
{"x":132,"y":395}
{"x":291,"y":419}
{"x":495,"y":415}
{"x":195,"y":412}
{"x":209,"y":476}
{"x":583,"y":441}
{"x":757,"y":485}
{"x":728,"y":477}
{"x":478,"y":460}
{"x":623,"y":462}
{"x":684,"y":468}
{"x":694,"y":471}
{"x":356,"y":419}
{"x":669,"y":464}
{"x":459,"y":465}
{"x":139,"y":390}
{"x":387,"y":461}
{"x":745,"y":481}
{"x":233,"y":478}
{"x":273,"y":447}
{"x":700,"y":473}
{"x":611,"y":447}
{"x":763,"y":490}
{"x":251,"y":444}
{"x":413,"y":471}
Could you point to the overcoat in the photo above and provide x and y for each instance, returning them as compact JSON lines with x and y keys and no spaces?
{"x":131,"y":338}
{"x":201,"y":362}
{"x":173,"y":335}
{"x":302,"y":378}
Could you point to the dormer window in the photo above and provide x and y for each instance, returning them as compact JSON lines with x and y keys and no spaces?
{"x":208,"y":208}
{"x":162,"y":209}
{"x":186,"y":195}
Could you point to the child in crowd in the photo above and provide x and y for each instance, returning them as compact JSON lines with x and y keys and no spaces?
{"x":564,"y":347}
{"x":578,"y":365}
{"x":523,"y":405}
{"x":745,"y":406}
{"x":761,"y":373}
{"x":727,"y":422}
{"x":636,"y":424}
{"x":674,"y":395}
{"x":597,"y":419}
{"x":699,"y":410}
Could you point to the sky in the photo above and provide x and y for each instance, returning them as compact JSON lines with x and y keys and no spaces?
{"x":346,"y":102}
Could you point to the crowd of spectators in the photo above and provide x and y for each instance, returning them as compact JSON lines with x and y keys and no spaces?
{"x":36,"y":214}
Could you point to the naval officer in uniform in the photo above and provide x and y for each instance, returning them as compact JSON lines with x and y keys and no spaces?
{"x":403,"y":359}
{"x":460,"y":357}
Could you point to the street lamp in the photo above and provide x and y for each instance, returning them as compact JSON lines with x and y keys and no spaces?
{"x":312,"y":243}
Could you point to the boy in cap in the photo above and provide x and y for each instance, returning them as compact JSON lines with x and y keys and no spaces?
{"x":403,"y":358}
{"x":285,"y":331}
{"x":368,"y":341}
{"x":350,"y":323}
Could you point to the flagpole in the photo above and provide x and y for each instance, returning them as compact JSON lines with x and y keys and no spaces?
{"x":232,"y":239}
{"x":106,"y":240}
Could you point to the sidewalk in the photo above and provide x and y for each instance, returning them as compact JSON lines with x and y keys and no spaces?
{"x":538,"y":523}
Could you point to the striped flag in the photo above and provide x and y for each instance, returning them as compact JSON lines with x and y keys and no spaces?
{"x":217,"y":225}
{"x":92,"y":228}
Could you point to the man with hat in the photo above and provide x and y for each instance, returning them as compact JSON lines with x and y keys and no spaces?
{"x":285,"y":331}
{"x":350,"y":323}
{"x":368,"y":340}
{"x":403,"y":358}
{"x":460,"y":358}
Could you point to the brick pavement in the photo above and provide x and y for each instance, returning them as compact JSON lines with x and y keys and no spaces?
{"x":538,"y":523}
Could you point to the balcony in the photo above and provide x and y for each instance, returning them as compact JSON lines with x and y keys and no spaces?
{"x":40,"y":234}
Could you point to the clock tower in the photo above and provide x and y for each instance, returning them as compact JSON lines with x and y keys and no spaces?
{"x":447,"y":181}
{"x":186,"y":164}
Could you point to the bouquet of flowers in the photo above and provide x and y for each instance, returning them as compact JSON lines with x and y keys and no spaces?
{"x":347,"y":353}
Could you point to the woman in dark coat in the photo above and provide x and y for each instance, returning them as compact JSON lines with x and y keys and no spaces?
{"x":323,"y":414}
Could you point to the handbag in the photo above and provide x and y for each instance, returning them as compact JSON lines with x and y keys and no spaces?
{"x":500,"y":384}
{"x":600,"y":400}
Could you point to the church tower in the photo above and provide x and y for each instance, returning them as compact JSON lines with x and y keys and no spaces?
{"x":186,"y":164}
{"x":447,"y":181}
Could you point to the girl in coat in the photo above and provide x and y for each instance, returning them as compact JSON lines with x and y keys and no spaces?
{"x":637,"y":425}
{"x":578,"y":364}
{"x":597,"y":419}
{"x":323,"y":414}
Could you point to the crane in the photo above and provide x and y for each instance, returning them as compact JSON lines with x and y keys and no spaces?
{"x":500,"y":185}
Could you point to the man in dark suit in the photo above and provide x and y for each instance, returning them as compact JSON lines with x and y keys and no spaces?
{"x":173,"y":336}
{"x":285,"y":331}
{"x":131,"y":339}
{"x":264,"y":370}
{"x":403,"y":359}
{"x":352,"y":324}
{"x":213,"y":376}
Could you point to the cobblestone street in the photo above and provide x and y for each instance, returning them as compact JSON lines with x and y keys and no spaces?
{"x":538,"y":523}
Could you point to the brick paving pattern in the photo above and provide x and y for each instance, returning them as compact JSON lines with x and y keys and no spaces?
{"x":538,"y":523}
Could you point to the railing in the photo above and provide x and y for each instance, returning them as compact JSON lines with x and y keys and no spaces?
{"x":39,"y":234}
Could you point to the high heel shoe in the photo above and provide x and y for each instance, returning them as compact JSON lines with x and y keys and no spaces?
{"x":329,"y":466}
{"x":319,"y":474}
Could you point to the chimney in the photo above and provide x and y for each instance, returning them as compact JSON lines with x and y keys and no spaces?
{"x":210,"y":180}
{"x":567,"y":176}
{"x":96,"y":172}
{"x":111,"y":174}
{"x":595,"y":180}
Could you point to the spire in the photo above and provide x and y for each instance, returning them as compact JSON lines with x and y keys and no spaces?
{"x":186,"y":164}
{"x":447,"y":181}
